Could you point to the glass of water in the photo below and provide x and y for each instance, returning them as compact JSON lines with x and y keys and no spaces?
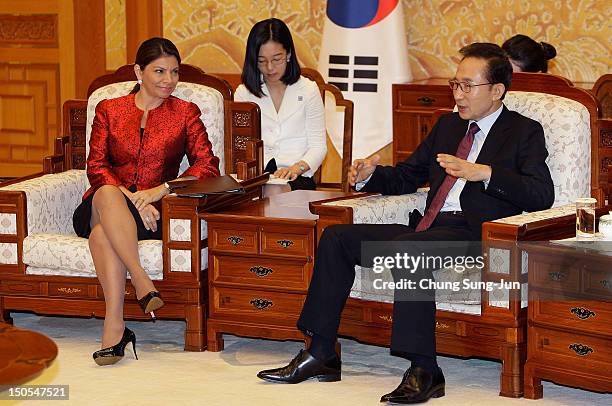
{"x":585,"y":217}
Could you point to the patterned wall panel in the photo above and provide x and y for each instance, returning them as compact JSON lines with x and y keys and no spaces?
{"x":114,"y":20}
{"x":212,"y":34}
{"x":579,"y":29}
{"x":28,"y":30}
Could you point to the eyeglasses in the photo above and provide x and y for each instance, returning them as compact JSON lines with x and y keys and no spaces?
{"x":275,"y":61}
{"x":464,"y":86}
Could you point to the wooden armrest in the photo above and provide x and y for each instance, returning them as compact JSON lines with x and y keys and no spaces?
{"x":320,"y":206}
{"x":74,"y":123}
{"x":190,"y":208}
{"x":253,"y":165}
{"x":329,"y":215}
{"x":14,"y":202}
{"x":54,"y":163}
{"x":540,"y":230}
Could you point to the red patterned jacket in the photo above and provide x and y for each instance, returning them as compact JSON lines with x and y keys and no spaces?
{"x":117,"y":155}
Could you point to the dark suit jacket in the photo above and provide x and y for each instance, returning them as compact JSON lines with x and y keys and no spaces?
{"x":515,"y":150}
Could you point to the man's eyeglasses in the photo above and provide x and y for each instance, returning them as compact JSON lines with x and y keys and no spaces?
{"x":275,"y":61}
{"x":464,"y":86}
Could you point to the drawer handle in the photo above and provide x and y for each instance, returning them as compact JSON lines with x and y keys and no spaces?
{"x":285,"y":243}
{"x":582,"y":313}
{"x":426,"y":100}
{"x":388,"y":319}
{"x":441,"y":326}
{"x":234,"y":240}
{"x":605,"y":283}
{"x":260,"y":271}
{"x":69,"y":290}
{"x":556,"y":276}
{"x":580,"y":349}
{"x":261,"y":304}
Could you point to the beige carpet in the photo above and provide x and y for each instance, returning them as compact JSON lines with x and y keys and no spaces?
{"x":166,"y":375}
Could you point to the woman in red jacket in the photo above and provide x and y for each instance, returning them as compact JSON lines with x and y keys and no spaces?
{"x":136,"y":146}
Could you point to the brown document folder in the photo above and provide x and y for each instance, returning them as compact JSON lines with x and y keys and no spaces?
{"x":203,"y":187}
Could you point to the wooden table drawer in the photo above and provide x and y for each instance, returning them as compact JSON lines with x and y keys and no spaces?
{"x":19,"y":288}
{"x":260,"y":272}
{"x":433,"y":99}
{"x":598,"y":283}
{"x":130,"y":292}
{"x":241,"y":238}
{"x":560,"y":275}
{"x":294,"y":241}
{"x":251,"y":304}
{"x":582,"y":315}
{"x":582,"y":351}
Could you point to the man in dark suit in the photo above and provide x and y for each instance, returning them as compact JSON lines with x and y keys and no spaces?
{"x":482,"y":163}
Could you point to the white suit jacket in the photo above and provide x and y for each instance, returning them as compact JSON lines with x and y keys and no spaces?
{"x":297,"y":131}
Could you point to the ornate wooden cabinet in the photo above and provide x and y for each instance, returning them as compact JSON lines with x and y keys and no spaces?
{"x":260,"y":259}
{"x":569,"y":317}
{"x":414,"y":105}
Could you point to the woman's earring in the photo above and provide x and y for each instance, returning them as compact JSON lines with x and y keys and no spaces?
{"x":139,"y":81}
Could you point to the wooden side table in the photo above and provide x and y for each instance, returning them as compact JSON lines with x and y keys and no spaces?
{"x":23,"y":354}
{"x":260,"y":260}
{"x":569,"y":317}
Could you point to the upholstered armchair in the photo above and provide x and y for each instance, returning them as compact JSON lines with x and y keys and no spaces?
{"x":478,"y":323}
{"x":45,"y":268}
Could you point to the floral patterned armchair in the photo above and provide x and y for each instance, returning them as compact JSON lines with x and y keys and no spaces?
{"x":47,"y":269}
{"x":477,"y":322}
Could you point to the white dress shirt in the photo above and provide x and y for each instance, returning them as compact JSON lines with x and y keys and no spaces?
{"x":297,"y":131}
{"x":452,"y":200}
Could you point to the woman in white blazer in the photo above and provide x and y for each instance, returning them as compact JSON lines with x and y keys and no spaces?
{"x":292,"y":112}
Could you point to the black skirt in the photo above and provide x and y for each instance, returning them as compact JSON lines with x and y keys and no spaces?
{"x":81,"y":220}
{"x":299,"y":183}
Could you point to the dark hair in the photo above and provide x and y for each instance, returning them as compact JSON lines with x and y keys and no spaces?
{"x":152,"y":49}
{"x":275,"y":30}
{"x":499,"y":69}
{"x":528,"y":54}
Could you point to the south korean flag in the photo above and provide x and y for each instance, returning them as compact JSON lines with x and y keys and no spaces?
{"x":364,"y":51}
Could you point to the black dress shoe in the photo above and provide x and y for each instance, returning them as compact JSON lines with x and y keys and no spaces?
{"x":417,"y":386}
{"x":304,"y":366}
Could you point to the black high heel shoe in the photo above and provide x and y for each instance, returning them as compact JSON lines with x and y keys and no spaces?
{"x":112,"y":355}
{"x":151,"y":302}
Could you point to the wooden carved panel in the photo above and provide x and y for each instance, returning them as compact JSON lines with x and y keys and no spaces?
{"x":605,"y":163}
{"x":241,"y":118}
{"x":606,"y":138}
{"x":78,"y":118}
{"x":29,"y":116}
{"x":29,"y":30}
